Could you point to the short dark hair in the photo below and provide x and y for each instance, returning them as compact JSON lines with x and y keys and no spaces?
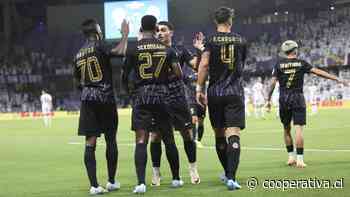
{"x":88,"y":27}
{"x":223,"y":14}
{"x":148,"y":23}
{"x":168,"y":24}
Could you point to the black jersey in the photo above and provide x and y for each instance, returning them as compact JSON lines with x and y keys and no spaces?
{"x":290,"y":74}
{"x":227,"y":58}
{"x":176,"y":85}
{"x":151,"y":61}
{"x":92,"y":68}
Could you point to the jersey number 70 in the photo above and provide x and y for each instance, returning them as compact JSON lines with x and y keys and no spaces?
{"x":93,"y":68}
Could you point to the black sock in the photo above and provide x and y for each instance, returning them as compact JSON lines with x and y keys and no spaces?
{"x":200,"y":132}
{"x":112,"y":159}
{"x":233,"y":154}
{"x":190,"y":149}
{"x":156,"y":153}
{"x":195,"y":131}
{"x":221,"y":146}
{"x":300,"y":151}
{"x":173,"y":158}
{"x":140,"y":162}
{"x":90,"y":164}
{"x":290,"y":148}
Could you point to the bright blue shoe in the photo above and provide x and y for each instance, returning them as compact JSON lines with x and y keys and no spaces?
{"x":232,"y":185}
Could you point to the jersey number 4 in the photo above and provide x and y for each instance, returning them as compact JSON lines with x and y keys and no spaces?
{"x":228,"y":55}
{"x":145,"y":69}
{"x":93,"y":67}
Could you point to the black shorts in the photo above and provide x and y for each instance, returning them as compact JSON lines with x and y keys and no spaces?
{"x":96,"y":118}
{"x":198,"y":110}
{"x":180,"y":115}
{"x":292,"y":107}
{"x":226,"y":111}
{"x":147,"y":115}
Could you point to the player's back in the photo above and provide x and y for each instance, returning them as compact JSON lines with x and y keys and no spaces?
{"x":227,"y":57}
{"x":151,"y":60}
{"x":290,"y":74}
{"x":93,"y":70}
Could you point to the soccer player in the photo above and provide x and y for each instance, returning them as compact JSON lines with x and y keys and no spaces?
{"x":247,"y":100}
{"x":258,"y":97}
{"x":151,"y":60}
{"x":128,"y":78}
{"x":98,"y":112}
{"x":197,"y":111}
{"x":275,"y":98}
{"x":289,"y":72}
{"x":313,"y":99}
{"x":178,"y":108}
{"x":223,"y":58}
{"x":46,"y":108}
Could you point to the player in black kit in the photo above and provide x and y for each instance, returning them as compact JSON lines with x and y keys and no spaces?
{"x":151,"y":60}
{"x":178,"y":108}
{"x":223,"y":58}
{"x":289,"y":72}
{"x":98,"y":112}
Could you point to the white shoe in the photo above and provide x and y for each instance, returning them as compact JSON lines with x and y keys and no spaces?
{"x":113,"y":187}
{"x":177,"y":183}
{"x":140,"y":189}
{"x":300,"y":164}
{"x":195,"y":179}
{"x":156,"y":177}
{"x":223,"y":177}
{"x":291,"y":161}
{"x":97,"y":190}
{"x":232,"y":185}
{"x":199,"y":144}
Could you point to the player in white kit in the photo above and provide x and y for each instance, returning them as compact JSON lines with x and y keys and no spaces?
{"x":275,"y":99}
{"x":247,"y":98}
{"x":46,"y":107}
{"x":258,"y":99}
{"x":313,"y":99}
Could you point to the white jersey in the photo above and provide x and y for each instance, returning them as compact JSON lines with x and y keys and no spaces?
{"x":312,"y":94}
{"x":46,"y":102}
{"x":246,"y":96}
{"x":258,"y":94}
{"x":276,"y":94}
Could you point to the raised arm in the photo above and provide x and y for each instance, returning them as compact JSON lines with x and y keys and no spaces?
{"x":326,"y":75}
{"x":202,"y":75}
{"x":198,"y":44}
{"x":120,"y":49}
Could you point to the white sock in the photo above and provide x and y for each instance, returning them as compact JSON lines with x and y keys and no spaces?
{"x":300,"y":157}
{"x":156,"y":170}
{"x":291,"y":154}
{"x":193,"y":165}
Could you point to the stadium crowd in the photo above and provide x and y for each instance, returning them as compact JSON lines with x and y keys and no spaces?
{"x":323,"y":39}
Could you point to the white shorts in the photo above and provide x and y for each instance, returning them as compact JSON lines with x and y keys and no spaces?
{"x":46,"y":109}
{"x":259,"y":100}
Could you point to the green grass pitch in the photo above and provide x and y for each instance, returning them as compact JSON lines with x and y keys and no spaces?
{"x":40,"y":162}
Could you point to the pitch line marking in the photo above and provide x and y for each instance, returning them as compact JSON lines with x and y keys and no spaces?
{"x":244,"y":148}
